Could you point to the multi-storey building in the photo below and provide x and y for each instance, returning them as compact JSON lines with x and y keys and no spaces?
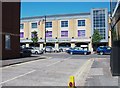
{"x":68,"y":30}
{"x":100,"y":22}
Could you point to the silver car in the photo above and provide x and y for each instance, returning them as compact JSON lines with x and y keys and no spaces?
{"x":35,"y":50}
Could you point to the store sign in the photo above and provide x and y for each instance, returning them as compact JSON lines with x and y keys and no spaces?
{"x":52,"y":40}
{"x":64,"y":40}
{"x":84,"y":45}
{"x":59,"y":40}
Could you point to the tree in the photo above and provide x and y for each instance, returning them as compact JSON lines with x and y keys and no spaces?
{"x":34,"y":37}
{"x":96,"y":38}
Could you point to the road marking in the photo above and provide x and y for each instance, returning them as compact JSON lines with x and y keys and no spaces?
{"x":30,"y":71}
{"x":22,"y":63}
{"x":18,"y":77}
{"x":59,"y":61}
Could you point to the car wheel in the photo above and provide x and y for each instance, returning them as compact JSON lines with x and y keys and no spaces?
{"x":101,"y":53}
{"x":85,"y":53}
{"x":71,"y":53}
{"x":36,"y":52}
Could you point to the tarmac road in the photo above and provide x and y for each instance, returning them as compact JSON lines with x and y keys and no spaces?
{"x":53,"y":71}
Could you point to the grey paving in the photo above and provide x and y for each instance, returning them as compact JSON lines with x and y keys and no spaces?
{"x":100,"y":74}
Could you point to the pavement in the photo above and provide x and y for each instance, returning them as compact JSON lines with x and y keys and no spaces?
{"x":89,"y":71}
{"x":20,"y":60}
{"x":100,"y":74}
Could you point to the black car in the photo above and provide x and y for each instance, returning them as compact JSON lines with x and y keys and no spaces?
{"x":24,"y":52}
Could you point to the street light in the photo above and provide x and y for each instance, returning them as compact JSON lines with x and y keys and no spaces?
{"x":45,"y":34}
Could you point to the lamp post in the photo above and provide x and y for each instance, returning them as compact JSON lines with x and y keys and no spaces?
{"x":45,"y":34}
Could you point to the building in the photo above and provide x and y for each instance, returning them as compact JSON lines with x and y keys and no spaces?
{"x":68,"y":30}
{"x":99,"y":19}
{"x":9,"y":29}
{"x":115,"y":31}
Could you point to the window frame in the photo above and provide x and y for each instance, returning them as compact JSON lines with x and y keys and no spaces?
{"x":22,"y":26}
{"x":20,"y":34}
{"x":82,"y":33}
{"x":81,"y":23}
{"x":34,"y":23}
{"x":48,"y":33}
{"x":7,"y":41}
{"x":64,"y":35}
{"x":64,"y":24}
{"x":48,"y":24}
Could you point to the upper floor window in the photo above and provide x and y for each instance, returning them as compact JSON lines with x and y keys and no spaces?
{"x":7,"y":41}
{"x":81,"y":22}
{"x":34,"y":25}
{"x":49,"y":34}
{"x":48,"y":24}
{"x":64,"y":33}
{"x":81,"y":33}
{"x":21,"y":26}
{"x":21,"y":34}
{"x":64,"y":23}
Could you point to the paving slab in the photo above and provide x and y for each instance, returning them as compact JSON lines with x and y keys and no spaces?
{"x":100,"y":74}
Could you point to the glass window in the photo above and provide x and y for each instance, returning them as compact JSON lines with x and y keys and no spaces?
{"x":81,"y":22}
{"x":64,"y":33}
{"x":21,"y":34}
{"x":21,"y":26}
{"x":48,"y":24}
{"x":49,"y":34}
{"x":64,"y":23}
{"x":7,"y":41}
{"x":81,"y":33}
{"x":34,"y":25}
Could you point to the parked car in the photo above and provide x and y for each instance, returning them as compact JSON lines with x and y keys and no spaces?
{"x":77,"y":50}
{"x":63,"y":49}
{"x":35,"y":50}
{"x":24,"y":52}
{"x":50,"y":49}
{"x":103,"y":50}
{"x":56,"y":50}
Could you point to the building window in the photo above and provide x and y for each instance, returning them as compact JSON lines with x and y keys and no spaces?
{"x":21,"y":26}
{"x":81,"y":22}
{"x":49,"y":34}
{"x":21,"y":34}
{"x":81,"y":33}
{"x":64,"y":33}
{"x":64,"y":23}
{"x":48,"y":24}
{"x":7,"y":41}
{"x":34,"y":25}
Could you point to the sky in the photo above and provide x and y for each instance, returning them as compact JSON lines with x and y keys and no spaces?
{"x":31,"y":9}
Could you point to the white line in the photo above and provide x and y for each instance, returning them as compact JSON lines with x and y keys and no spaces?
{"x":18,"y":76}
{"x":58,"y":61}
{"x":25,"y":63}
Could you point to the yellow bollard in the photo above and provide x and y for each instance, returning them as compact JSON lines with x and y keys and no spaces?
{"x":71,"y":83}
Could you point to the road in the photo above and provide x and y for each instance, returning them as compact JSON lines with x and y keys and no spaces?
{"x":53,"y":71}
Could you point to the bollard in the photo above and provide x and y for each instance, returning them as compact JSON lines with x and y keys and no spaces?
{"x":71,"y":83}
